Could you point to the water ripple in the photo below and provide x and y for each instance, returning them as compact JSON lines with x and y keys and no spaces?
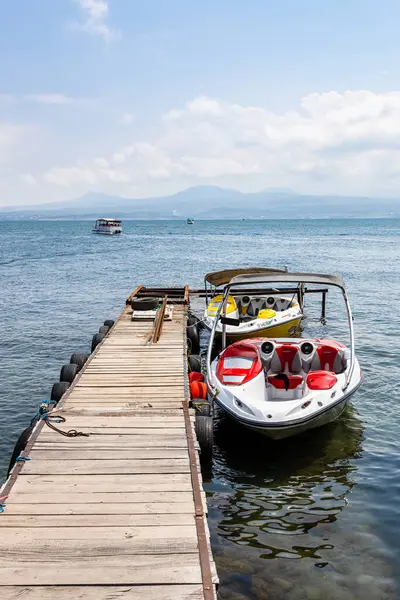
{"x":310,"y":518}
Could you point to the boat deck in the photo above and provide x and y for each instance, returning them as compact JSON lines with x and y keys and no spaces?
{"x":119,"y":513}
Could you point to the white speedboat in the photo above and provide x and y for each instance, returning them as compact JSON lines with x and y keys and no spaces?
{"x":283,"y":387}
{"x":253,"y":313}
{"x":107,"y":226}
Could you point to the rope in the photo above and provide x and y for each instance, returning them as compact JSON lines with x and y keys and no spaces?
{"x":197,"y":404}
{"x":43,"y":413}
{"x":72,"y":433}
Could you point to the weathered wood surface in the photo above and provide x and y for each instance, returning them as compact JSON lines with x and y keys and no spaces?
{"x":110,"y":515}
{"x":165,"y":592}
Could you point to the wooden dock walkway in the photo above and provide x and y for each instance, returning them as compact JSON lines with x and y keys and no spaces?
{"x":119,"y":513}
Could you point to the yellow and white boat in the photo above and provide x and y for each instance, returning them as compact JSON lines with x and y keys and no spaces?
{"x":253,"y":313}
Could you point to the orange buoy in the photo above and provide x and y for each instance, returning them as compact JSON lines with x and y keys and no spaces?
{"x":198,"y":389}
{"x":194,"y":376}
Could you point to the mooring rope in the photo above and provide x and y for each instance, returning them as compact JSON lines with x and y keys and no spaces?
{"x":43,"y":413}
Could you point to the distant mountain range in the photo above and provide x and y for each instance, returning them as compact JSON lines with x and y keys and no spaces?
{"x":210,"y":202}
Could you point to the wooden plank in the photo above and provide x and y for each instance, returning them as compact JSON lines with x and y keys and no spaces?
{"x":122,"y":422}
{"x":97,"y":508}
{"x":114,"y":370}
{"x":30,"y":535}
{"x":103,"y":411}
{"x":134,"y":399}
{"x":131,"y":544}
{"x":63,"y":453}
{"x":137,"y":379}
{"x":103,"y":521}
{"x":149,"y":359}
{"x":102,"y":483}
{"x":137,"y":386}
{"x":94,"y":467}
{"x":133,"y":383}
{"x":129,"y":392}
{"x":144,"y":570}
{"x":113,"y":441}
{"x":98,"y":432}
{"x":144,"y":401}
{"x":101,"y":497}
{"x":148,"y":592}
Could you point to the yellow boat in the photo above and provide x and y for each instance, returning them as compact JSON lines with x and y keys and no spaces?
{"x":254,"y":313}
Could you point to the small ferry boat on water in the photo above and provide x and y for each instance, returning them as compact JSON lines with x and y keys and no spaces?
{"x":107,"y":226}
{"x":190,"y":221}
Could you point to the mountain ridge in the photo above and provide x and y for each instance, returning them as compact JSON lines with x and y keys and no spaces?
{"x":211,"y":202}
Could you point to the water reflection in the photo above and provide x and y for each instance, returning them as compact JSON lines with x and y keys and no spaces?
{"x":290,"y":500}
{"x":288,"y":487}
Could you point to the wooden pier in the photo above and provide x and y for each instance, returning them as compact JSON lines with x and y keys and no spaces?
{"x":118,"y":513}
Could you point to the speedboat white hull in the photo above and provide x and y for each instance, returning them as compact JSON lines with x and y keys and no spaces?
{"x":285,"y":431}
{"x":292,"y":392}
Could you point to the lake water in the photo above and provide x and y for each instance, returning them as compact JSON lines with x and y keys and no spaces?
{"x":317,"y":517}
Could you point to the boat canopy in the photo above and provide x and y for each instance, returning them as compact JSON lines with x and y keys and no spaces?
{"x":223,"y":277}
{"x":109,"y":220}
{"x":285,"y":277}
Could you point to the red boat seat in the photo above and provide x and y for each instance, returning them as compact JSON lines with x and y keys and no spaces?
{"x":286,"y":355}
{"x":328,"y":358}
{"x":321,"y":380}
{"x":239,"y":364}
{"x":280,"y":383}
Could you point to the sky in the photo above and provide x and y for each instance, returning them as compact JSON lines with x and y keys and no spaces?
{"x":139,"y":99}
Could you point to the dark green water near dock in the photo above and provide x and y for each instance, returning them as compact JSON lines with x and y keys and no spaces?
{"x":314,"y":517}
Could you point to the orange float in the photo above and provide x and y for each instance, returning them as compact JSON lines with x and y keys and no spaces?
{"x":198,"y":390}
{"x":194,"y":376}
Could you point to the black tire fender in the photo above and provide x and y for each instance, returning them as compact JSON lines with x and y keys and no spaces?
{"x":193,"y":320}
{"x":20,"y":446}
{"x":202,"y":407}
{"x":194,"y":363}
{"x":205,"y":435}
{"x":79,"y":359}
{"x":58,"y":390}
{"x":193,"y":338}
{"x":144,"y":303}
{"x":68,"y":372}
{"x":97,"y":338}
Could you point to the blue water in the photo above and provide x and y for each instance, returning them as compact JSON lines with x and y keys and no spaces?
{"x":316,"y":517}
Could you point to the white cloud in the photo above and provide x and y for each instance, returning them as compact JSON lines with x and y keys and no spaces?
{"x":70,"y":176}
{"x":11,"y":136}
{"x":127,"y":118}
{"x":96,"y":13}
{"x":335,"y":142}
{"x":50,"y":98}
{"x":28,"y":178}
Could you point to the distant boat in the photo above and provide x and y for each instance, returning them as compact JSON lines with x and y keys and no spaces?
{"x":190,"y":221}
{"x":107,"y":226}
